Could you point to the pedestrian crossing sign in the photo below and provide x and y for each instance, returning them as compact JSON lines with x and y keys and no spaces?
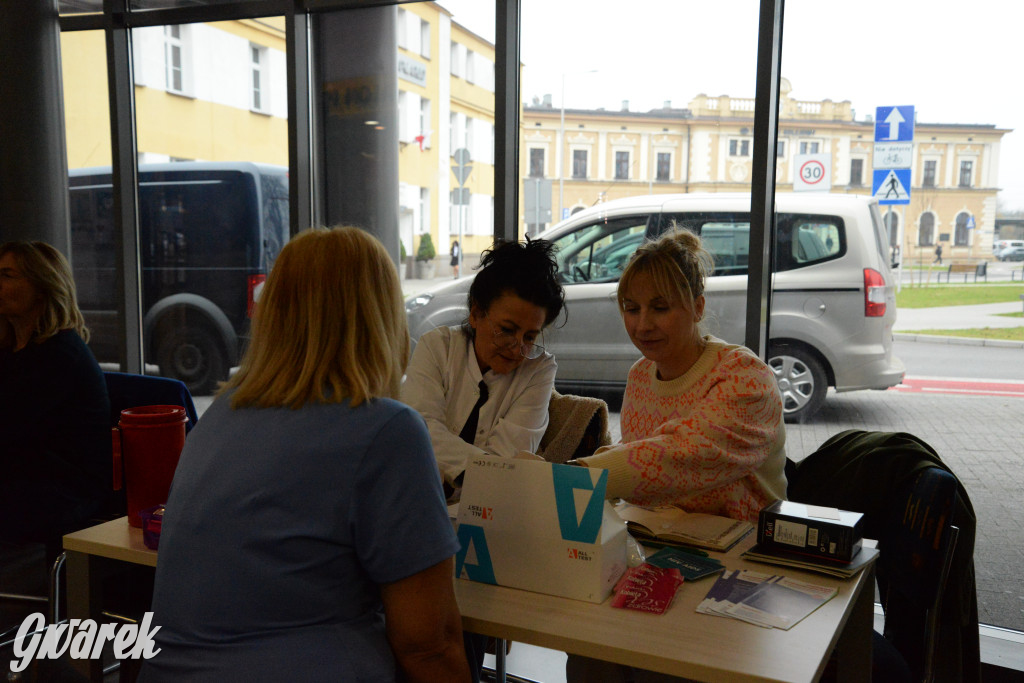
{"x":892,"y":186}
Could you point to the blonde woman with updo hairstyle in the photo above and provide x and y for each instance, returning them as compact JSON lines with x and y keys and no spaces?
{"x":306,"y":536}
{"x":54,"y":412}
{"x":701,"y":419}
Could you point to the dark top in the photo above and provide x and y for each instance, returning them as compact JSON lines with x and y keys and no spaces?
{"x":55,"y":454}
{"x":280,"y":528}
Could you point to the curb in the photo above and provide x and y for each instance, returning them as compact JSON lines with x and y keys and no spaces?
{"x":957,"y":341}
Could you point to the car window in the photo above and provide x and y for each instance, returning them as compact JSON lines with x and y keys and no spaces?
{"x":599,"y":252}
{"x":801,"y":239}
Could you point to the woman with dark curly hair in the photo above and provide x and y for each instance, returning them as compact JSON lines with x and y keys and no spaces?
{"x":484,"y":386}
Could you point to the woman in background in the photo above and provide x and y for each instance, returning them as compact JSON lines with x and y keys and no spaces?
{"x":55,"y":450}
{"x":702,"y":425}
{"x":306,"y":536}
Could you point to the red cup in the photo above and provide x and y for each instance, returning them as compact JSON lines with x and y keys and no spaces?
{"x":150,"y":443}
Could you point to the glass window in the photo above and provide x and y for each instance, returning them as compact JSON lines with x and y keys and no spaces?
{"x":780,"y":149}
{"x":424,"y":124}
{"x":622,"y":165}
{"x":739,"y":148}
{"x":599,"y":253}
{"x":425,"y":39}
{"x":926,"y":230}
{"x":808,"y":147}
{"x":536,"y":162}
{"x":579,"y":163}
{"x":664,"y":166}
{"x":965,"y":173}
{"x":259,"y":99}
{"x":961,"y":232}
{"x":856,"y":172}
{"x":929,"y":173}
{"x":213,"y":190}
{"x":174,"y":59}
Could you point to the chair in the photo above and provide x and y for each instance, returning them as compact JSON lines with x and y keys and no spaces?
{"x":577,"y":426}
{"x":924,"y":523}
{"x":127,"y":391}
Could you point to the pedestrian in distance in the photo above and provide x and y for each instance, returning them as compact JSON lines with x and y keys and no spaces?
{"x":938,"y":254}
{"x":456,"y":252}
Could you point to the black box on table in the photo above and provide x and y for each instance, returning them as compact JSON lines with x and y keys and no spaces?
{"x":814,"y":531}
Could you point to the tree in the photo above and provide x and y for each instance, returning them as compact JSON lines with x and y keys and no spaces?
{"x":426,"y":251}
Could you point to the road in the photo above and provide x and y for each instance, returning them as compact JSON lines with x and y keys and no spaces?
{"x":923,"y":359}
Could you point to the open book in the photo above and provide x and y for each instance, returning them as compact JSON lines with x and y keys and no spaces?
{"x":669,"y":525}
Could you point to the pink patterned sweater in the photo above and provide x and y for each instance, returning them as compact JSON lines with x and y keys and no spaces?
{"x":711,"y":440}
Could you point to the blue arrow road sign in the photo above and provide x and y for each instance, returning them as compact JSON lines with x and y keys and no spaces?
{"x":894,"y":124}
{"x":891,"y":186}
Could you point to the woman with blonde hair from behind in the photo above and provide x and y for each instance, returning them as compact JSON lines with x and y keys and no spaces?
{"x":306,"y":519}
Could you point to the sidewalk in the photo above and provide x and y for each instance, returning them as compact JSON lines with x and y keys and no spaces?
{"x":973,"y":317}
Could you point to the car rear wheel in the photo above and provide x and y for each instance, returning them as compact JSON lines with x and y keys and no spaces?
{"x":801,"y":381}
{"x":192,"y":355}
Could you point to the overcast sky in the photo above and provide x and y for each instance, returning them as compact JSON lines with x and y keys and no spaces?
{"x":955,"y":62}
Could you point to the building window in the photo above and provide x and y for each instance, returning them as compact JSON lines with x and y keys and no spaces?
{"x":892,"y":225}
{"x":807,"y":147}
{"x":174,"y":58}
{"x":739,"y":148}
{"x":424,"y":38}
{"x":622,"y":165}
{"x":929,"y":173}
{"x":536,"y":162}
{"x":470,"y":66}
{"x":856,"y":172}
{"x":664,"y":171}
{"x":579,"y":163}
{"x":961,"y":236}
{"x":458,"y":56}
{"x":259,"y":79}
{"x":424,"y":210}
{"x":424,"y":135}
{"x":965,"y":173}
{"x":780,"y":149}
{"x":403,"y":20}
{"x":926,"y":230}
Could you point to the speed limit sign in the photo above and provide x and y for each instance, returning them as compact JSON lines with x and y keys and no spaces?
{"x":812,"y":172}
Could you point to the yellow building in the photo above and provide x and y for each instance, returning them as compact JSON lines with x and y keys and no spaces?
{"x":597,"y":155}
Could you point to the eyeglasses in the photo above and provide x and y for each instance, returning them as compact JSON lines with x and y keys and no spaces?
{"x":507,"y":340}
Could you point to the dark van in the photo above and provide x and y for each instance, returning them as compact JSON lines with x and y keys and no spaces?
{"x":208,"y":235}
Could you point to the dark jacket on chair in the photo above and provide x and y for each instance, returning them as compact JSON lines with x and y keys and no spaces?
{"x":867,"y":472}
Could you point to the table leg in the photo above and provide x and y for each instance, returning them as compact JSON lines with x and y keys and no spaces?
{"x":83,"y":594}
{"x":853,"y":650}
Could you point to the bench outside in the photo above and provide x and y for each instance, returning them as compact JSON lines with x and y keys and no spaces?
{"x":976,"y":269}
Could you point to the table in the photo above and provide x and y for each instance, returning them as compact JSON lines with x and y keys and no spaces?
{"x":680,"y":642}
{"x":94,"y":554}
{"x":683,"y":642}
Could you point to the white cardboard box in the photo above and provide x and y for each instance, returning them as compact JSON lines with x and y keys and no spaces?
{"x":540,"y":527}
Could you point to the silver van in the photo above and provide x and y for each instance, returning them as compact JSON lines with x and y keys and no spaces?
{"x":833,"y":301}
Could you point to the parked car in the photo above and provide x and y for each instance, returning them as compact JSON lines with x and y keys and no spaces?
{"x":208,"y":234}
{"x":833,"y":301}
{"x":1012,"y":254}
{"x":1000,"y":245}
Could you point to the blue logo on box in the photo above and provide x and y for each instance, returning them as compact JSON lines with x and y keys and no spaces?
{"x":483,"y":570}
{"x":567,"y":481}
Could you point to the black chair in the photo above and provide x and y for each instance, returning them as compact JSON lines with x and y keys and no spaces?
{"x":924,"y":523}
{"x":128,"y":391}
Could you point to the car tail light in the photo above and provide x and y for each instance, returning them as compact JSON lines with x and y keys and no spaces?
{"x":874,"y":293}
{"x":254,"y":281}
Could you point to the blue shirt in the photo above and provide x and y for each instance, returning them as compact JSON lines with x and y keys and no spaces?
{"x":280,"y":527}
